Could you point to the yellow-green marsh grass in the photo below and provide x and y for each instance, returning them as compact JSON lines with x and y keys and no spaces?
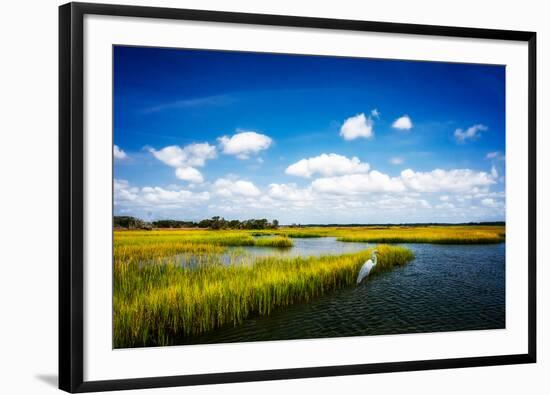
{"x":278,"y":241}
{"x":427,"y":234}
{"x":201,"y":237}
{"x":191,"y":236}
{"x":157,"y":304}
{"x":158,"y":300}
{"x":442,"y":234}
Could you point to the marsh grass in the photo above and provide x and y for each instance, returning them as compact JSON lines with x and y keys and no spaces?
{"x":278,"y":241}
{"x":448,"y":234}
{"x":216,"y":238}
{"x":188,"y":240}
{"x":157,"y":303}
{"x":158,"y":300}
{"x":432,"y":234}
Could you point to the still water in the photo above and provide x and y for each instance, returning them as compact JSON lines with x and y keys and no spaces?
{"x":445,"y":288}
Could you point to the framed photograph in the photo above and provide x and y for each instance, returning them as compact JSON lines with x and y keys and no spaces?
{"x":253,"y":197}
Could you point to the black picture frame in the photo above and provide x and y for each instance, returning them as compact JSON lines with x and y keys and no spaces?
{"x":71,"y":198}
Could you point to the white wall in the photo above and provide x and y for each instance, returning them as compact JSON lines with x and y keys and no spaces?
{"x":28,"y":179}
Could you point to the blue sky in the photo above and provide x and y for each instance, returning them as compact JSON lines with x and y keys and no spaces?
{"x":306,"y":139}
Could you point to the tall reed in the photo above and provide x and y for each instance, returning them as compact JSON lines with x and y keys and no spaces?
{"x":437,"y":234}
{"x":433,"y":234}
{"x":159,"y":303}
{"x":279,"y":241}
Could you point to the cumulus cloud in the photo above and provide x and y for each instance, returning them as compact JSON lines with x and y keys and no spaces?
{"x":388,"y":203}
{"x":488,"y":202}
{"x":123,"y":191}
{"x":228,"y":188}
{"x":472,"y":133}
{"x":396,"y":160}
{"x":244,"y":144}
{"x":424,"y":203}
{"x":327,"y":165}
{"x":163,"y":196}
{"x":290,"y":192}
{"x":155,"y":197}
{"x":373,"y":181}
{"x":403,"y":123}
{"x":185,"y":159}
{"x":190,"y":155}
{"x":356,"y":127}
{"x":189,"y":174}
{"x":456,"y":180}
{"x":375,"y":113}
{"x":338,"y":187}
{"x":118,"y":153}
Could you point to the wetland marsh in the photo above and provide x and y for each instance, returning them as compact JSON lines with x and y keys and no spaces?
{"x":209,"y":286}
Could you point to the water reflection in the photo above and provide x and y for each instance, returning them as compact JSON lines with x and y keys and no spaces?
{"x":247,"y":254}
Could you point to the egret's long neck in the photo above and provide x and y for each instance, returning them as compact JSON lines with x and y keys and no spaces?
{"x":374,"y":259}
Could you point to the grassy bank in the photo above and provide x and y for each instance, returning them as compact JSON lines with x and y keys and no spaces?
{"x":189,"y":236}
{"x":450,"y":234}
{"x":432,"y":234}
{"x":278,"y":241}
{"x":154,"y":304}
{"x":196,"y":239}
{"x":157,"y":299}
{"x":445,"y":234}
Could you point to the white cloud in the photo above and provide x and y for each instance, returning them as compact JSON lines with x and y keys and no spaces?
{"x":126,"y":195}
{"x":164,"y":196}
{"x":472,"y":133}
{"x":123,"y":191}
{"x":244,"y":144}
{"x":392,"y":203}
{"x":327,"y":165}
{"x":189,"y":174}
{"x":357,"y":126}
{"x":289,"y":192}
{"x":190,"y":155}
{"x":424,"y":203}
{"x":403,"y":123}
{"x":457,"y":180}
{"x":396,"y":160}
{"x":184,"y":159}
{"x":488,"y":202}
{"x":373,"y":181}
{"x":228,"y":188}
{"x":118,"y":153}
{"x":340,"y":189}
{"x":375,"y":113}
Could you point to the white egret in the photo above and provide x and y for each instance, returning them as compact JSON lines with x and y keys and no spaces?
{"x":367,"y":267}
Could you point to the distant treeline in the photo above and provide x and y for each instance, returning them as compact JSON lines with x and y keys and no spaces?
{"x":212,"y":223}
{"x":130,"y":223}
{"x":222,"y":223}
